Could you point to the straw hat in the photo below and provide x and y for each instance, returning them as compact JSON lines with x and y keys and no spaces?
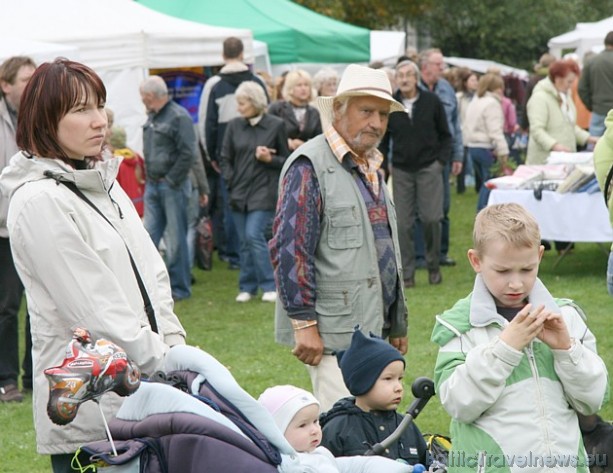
{"x":359,"y":81}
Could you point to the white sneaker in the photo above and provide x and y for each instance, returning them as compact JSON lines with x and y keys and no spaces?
{"x":270,"y":296}
{"x":243,"y":297}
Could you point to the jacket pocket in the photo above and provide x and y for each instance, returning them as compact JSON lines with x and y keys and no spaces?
{"x":344,"y":227}
{"x":338,"y":308}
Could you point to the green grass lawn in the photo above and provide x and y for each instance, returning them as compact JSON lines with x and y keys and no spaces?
{"x":241,"y":335}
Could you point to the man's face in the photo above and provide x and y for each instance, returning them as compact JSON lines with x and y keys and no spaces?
{"x":406,"y":79}
{"x":147,"y":98}
{"x":434,"y":68}
{"x":13,"y":92}
{"x":364,"y":123}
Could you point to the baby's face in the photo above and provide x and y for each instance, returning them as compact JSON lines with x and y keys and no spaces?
{"x":509,"y":272}
{"x":303,"y":432}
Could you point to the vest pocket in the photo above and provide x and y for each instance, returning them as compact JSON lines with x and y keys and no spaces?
{"x":338,"y":309}
{"x":344,"y":227}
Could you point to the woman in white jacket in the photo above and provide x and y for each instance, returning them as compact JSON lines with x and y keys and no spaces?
{"x":483,"y":125}
{"x":75,"y":264}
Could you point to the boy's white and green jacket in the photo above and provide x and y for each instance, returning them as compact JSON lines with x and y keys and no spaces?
{"x":515,"y":410}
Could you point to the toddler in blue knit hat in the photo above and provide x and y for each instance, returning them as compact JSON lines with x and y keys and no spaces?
{"x":373,"y":371}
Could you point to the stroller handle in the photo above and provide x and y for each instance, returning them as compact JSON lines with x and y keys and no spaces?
{"x":423,"y":389}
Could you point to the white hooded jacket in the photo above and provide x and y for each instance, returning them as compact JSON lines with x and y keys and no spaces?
{"x":76,"y":272}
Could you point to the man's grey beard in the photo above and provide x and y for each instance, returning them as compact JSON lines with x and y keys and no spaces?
{"x":354,"y":145}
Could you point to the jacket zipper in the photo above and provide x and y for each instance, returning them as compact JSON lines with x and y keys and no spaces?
{"x":532,"y":361}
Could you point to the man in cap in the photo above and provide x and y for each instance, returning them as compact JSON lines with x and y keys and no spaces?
{"x":335,"y":246}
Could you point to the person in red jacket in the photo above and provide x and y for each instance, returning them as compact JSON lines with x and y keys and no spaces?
{"x":131,"y":176}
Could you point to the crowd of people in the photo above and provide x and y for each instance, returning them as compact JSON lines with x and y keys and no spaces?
{"x":297,"y":186}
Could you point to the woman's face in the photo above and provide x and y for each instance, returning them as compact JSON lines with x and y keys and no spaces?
{"x":328,"y":88}
{"x":81,"y":131}
{"x":472,"y":82}
{"x":245,"y":107}
{"x":301,"y":92}
{"x":563,"y":84}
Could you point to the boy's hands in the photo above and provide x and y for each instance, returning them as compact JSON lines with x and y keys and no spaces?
{"x":554,"y":333}
{"x":524,"y":327}
{"x":540,"y":323}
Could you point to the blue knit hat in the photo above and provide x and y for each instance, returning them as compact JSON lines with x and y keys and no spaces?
{"x":364,"y":360}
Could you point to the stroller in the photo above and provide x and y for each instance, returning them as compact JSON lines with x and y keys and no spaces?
{"x":208,"y":424}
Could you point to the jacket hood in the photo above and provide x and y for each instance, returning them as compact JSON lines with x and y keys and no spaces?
{"x":129,"y":157}
{"x":545,"y":86}
{"x":482,"y":309}
{"x":236,"y":78}
{"x":23,"y":169}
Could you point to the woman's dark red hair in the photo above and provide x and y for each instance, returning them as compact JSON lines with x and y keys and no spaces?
{"x":563,"y":67}
{"x":54,"y":89}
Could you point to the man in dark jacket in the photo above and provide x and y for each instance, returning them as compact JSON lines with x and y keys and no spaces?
{"x":170,"y":149}
{"x":421,"y":148}
{"x":219,"y":101}
{"x":596,"y":86}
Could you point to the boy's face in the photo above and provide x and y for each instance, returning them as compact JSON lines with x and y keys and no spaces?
{"x":303,"y":432}
{"x":386,"y":393}
{"x":508,"y":272}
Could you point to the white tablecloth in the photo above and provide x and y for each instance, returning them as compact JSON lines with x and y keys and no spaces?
{"x":574,"y":216}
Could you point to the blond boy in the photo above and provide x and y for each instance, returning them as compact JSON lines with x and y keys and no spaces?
{"x":515,"y":366}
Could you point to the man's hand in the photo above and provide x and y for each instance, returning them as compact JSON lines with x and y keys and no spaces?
{"x":309,"y":348}
{"x":554,"y":333}
{"x":456,"y":167}
{"x":215,"y":166}
{"x":401,"y":344}
{"x":203,"y":200}
{"x":524,"y":327}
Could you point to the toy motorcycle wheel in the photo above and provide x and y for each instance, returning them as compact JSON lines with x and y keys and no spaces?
{"x":128,"y":382}
{"x":60,"y":412}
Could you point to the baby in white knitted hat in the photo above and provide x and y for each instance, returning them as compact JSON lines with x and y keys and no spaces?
{"x":296,"y":413}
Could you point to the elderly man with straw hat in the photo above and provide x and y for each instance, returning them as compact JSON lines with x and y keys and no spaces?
{"x":335,"y":244}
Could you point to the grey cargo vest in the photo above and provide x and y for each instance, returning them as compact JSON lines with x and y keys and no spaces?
{"x":348,"y":286}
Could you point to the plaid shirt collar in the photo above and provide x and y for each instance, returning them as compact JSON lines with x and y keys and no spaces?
{"x":368,"y":167}
{"x":340,"y":148}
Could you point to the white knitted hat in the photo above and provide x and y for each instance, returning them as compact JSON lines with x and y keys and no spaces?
{"x":283,"y":402}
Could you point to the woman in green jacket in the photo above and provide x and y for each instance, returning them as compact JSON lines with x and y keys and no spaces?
{"x":553,"y":116}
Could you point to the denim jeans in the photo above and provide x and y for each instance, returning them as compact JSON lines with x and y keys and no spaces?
{"x":483,"y":159}
{"x":597,"y":124}
{"x":166,"y":214}
{"x":610,"y":274}
{"x":256,"y":269}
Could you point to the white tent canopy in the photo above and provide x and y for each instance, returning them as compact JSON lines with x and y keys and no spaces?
{"x":585,"y":37}
{"x":39,"y":51}
{"x":121,"y":40}
{"x":481,"y":66}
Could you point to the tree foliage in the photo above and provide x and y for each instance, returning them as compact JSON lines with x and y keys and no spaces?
{"x":514,"y":32}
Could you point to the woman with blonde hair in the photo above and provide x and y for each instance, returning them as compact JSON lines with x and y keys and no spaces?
{"x":301,"y":119}
{"x":484,"y":127}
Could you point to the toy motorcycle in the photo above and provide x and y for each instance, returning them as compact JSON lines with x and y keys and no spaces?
{"x":88,"y":371}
